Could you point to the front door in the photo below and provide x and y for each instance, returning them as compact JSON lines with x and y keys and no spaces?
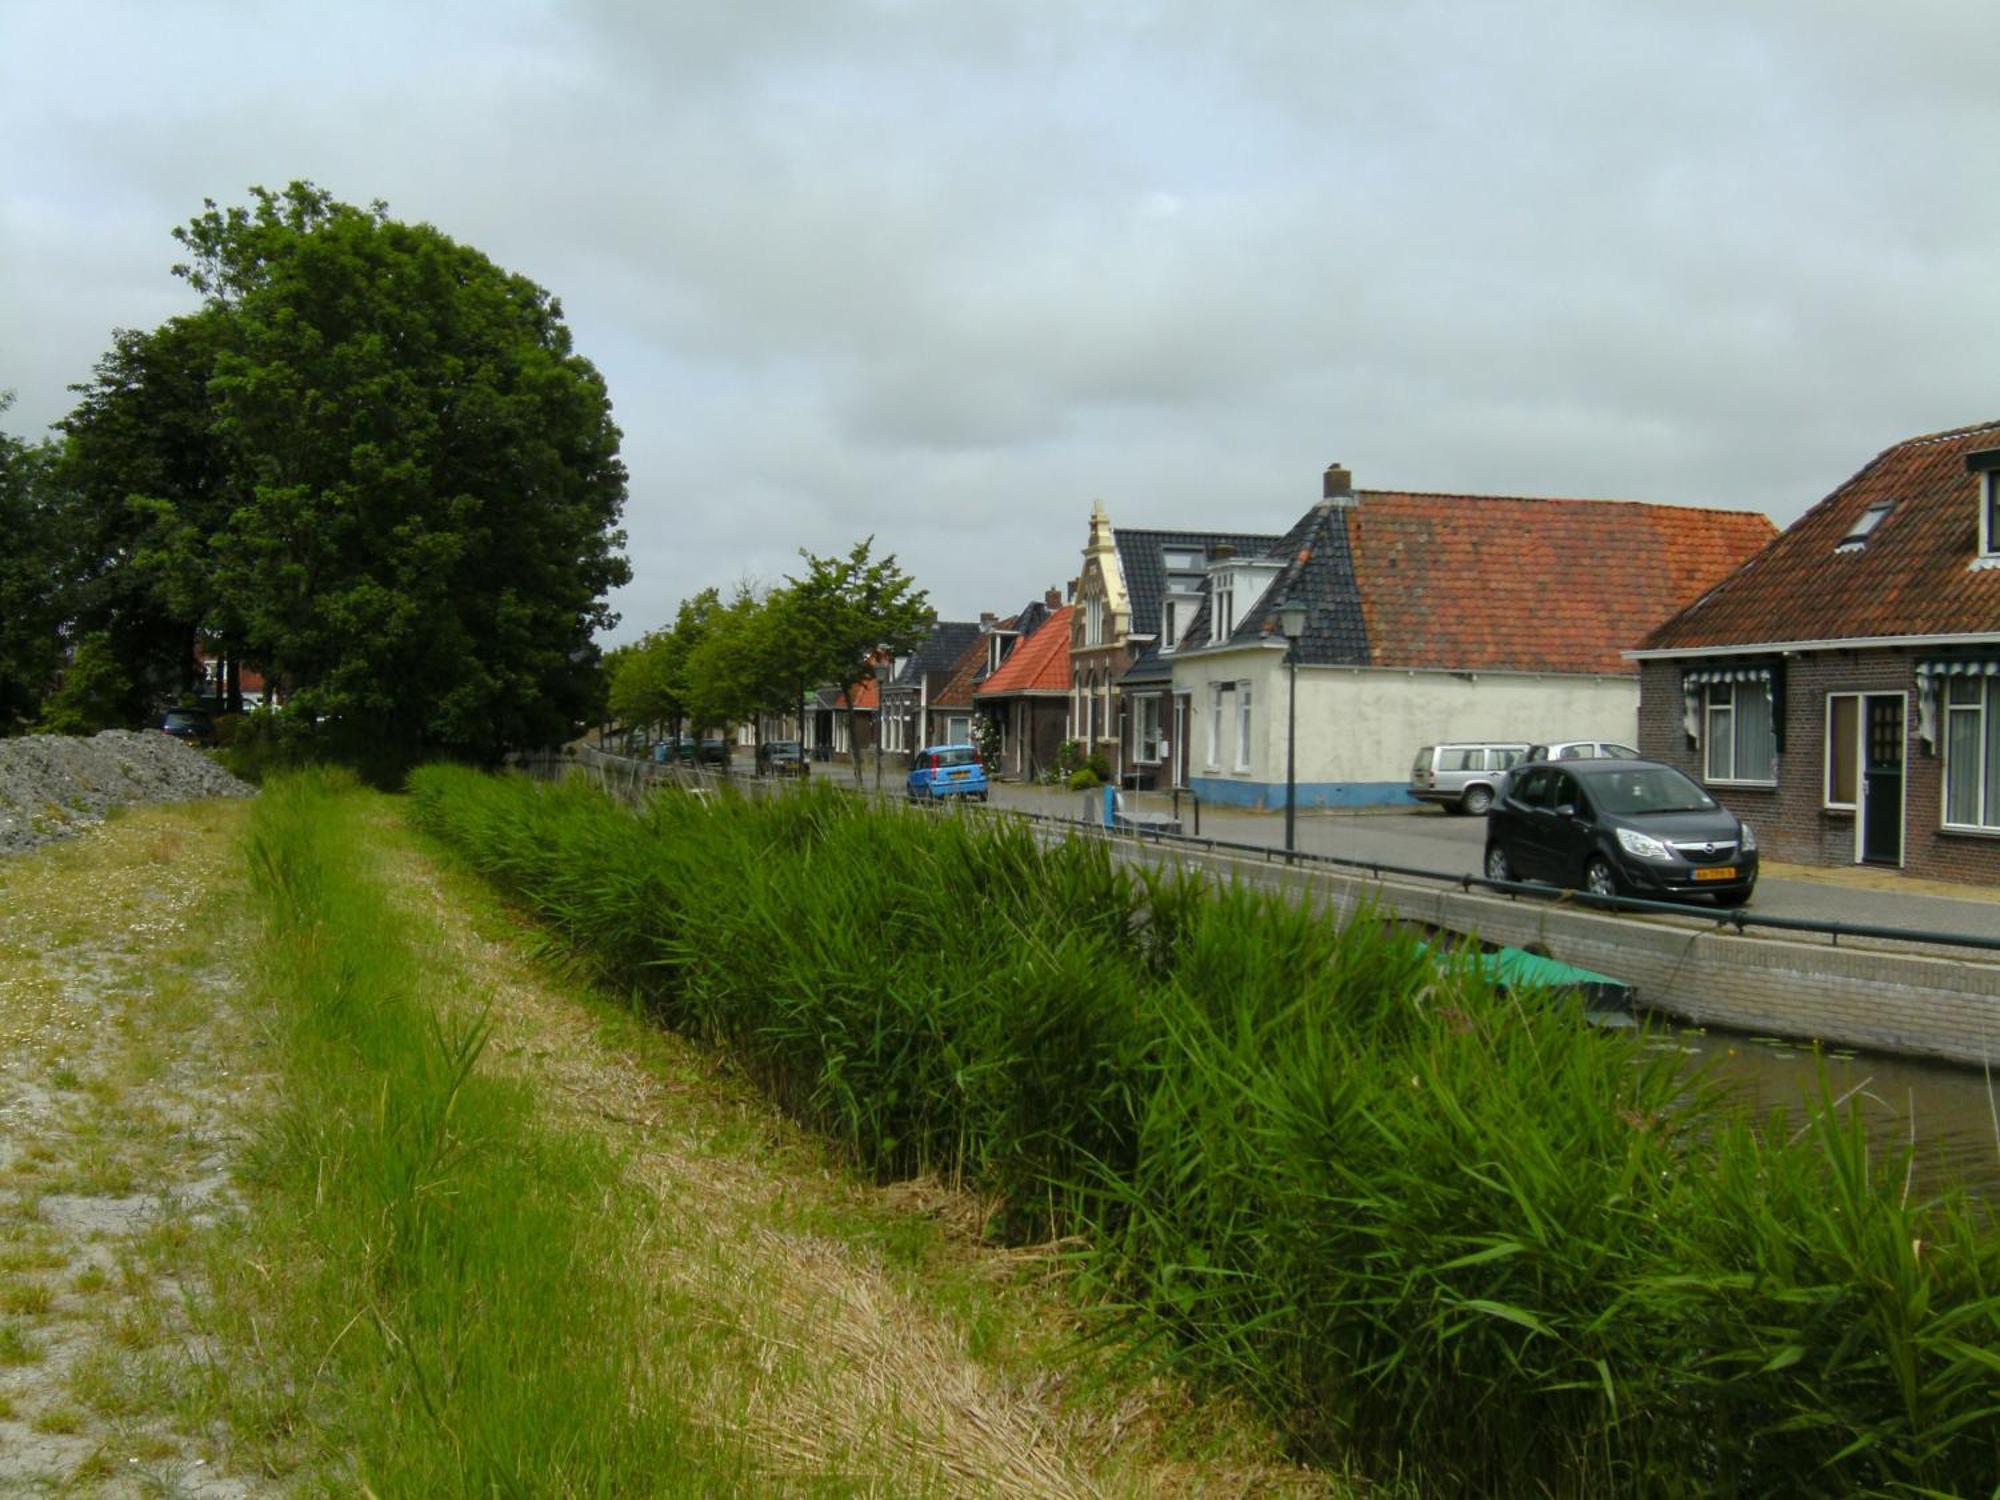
{"x":1882,"y":779}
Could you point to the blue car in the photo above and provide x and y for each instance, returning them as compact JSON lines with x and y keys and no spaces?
{"x":947,"y":771}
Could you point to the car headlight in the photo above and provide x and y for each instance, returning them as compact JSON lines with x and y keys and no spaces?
{"x":1749,"y":839}
{"x":1645,"y":846}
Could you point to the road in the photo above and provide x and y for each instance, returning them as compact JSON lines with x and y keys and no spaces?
{"x":1430,"y":839}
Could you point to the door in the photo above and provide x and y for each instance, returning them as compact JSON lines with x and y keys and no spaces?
{"x":1178,"y":750}
{"x":1882,"y":779}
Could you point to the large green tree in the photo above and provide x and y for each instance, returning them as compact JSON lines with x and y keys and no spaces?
{"x":411,"y":523}
{"x":35,"y":558}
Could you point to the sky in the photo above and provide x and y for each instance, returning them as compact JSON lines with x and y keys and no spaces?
{"x":946,"y":273}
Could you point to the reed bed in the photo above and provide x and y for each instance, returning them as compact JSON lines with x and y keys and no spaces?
{"x":1450,"y":1232}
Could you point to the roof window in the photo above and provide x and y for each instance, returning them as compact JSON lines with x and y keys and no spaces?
{"x":1864,"y":525}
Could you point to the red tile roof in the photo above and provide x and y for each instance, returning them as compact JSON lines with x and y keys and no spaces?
{"x":1040,"y":664}
{"x":1490,"y":583}
{"x":867,"y":697}
{"x":1912,"y":575}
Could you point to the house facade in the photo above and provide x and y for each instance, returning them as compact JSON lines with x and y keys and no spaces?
{"x":908,"y":721}
{"x":1028,"y":695}
{"x":1428,"y":617}
{"x":1841,"y":690}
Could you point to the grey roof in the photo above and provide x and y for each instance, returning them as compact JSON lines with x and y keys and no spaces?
{"x":1141,"y":555}
{"x":1021,"y":626}
{"x":940,"y":651}
{"x":1319,"y":571}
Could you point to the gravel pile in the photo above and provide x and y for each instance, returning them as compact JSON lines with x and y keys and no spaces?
{"x":52,"y":785}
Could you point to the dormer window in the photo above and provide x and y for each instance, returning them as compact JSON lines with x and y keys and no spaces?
{"x":1222,"y":608}
{"x":1169,"y":634}
{"x":1864,"y":526}
{"x":1985,"y":467}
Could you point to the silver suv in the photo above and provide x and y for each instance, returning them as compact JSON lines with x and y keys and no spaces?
{"x":1464,"y":776}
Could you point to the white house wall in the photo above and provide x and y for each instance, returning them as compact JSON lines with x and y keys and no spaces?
{"x":1360,"y":728}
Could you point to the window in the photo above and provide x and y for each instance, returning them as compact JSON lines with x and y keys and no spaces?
{"x":1989,"y":517}
{"x":1864,"y":525}
{"x":1461,"y":758}
{"x":1972,"y":752}
{"x":1218,"y":706}
{"x":1181,"y":561}
{"x":1093,"y":620}
{"x":1149,"y":729}
{"x":1740,"y":745}
{"x":1168,"y":635}
{"x":1222,"y":608}
{"x":1843,"y":750}
{"x":1242,"y":726}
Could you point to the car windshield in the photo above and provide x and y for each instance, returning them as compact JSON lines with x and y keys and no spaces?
{"x":1648,"y":789}
{"x":192,"y":717}
{"x":955,"y":755}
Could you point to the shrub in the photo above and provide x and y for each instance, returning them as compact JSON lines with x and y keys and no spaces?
{"x":1084,"y":780}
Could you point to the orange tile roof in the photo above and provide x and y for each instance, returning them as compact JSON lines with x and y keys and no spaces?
{"x":867,"y":696}
{"x":1912,"y":576}
{"x":1040,"y":664}
{"x":1490,"y":583}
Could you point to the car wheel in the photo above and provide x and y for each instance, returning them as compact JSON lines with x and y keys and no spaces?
{"x":1498,"y":866}
{"x":1475,"y":801}
{"x":1600,"y":879}
{"x":1732,"y":899}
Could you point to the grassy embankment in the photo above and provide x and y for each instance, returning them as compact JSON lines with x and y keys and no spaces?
{"x":1450,"y":1231}
{"x":507,"y":1240}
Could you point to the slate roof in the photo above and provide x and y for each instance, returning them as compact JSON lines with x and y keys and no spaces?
{"x":1040,"y":664}
{"x":1141,"y":556}
{"x":957,"y":689}
{"x":939,"y":651}
{"x":1469,"y":583}
{"x":1319,"y":571}
{"x":1911,"y":576}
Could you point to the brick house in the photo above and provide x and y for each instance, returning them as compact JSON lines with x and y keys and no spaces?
{"x":1029,"y":694}
{"x":906,"y":709}
{"x":1841,"y":690}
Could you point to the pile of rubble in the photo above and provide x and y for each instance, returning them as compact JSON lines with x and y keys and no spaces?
{"x":51,"y":785}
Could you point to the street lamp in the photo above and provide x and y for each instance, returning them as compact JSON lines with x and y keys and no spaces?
{"x":1292,"y":621}
{"x":883,"y":667}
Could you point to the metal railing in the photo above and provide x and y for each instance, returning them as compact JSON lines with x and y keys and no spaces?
{"x":1737,"y":918}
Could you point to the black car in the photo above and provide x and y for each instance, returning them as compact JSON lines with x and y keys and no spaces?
{"x":1616,"y":828}
{"x":713,"y":750}
{"x":781,"y":758}
{"x":195,"y":725}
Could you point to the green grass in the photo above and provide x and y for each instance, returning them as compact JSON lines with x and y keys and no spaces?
{"x":440,"y":1283}
{"x":1451,"y":1231}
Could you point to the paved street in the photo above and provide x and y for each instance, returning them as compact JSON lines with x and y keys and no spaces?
{"x":1430,"y":839}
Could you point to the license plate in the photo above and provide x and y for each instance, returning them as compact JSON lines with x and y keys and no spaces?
{"x":1718,"y":872}
{"x":958,"y":775}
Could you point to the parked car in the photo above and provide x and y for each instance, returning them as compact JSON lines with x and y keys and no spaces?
{"x":1581,"y":750}
{"x":195,"y":725}
{"x":781,"y":758}
{"x":1465,"y":776}
{"x":681,"y":748}
{"x":1619,"y":827}
{"x":713,"y":751}
{"x":946,"y":771}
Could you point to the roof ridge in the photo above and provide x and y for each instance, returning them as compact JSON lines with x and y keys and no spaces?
{"x":1673,"y":505}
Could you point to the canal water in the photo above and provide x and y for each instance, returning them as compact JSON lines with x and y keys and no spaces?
{"x":1949,"y":1111}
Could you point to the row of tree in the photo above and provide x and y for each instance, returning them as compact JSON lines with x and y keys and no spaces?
{"x":761,"y":651}
{"x":369,"y":465}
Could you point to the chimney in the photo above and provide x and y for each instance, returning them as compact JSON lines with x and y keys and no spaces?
{"x":1221,"y":552}
{"x":1053,"y":598}
{"x":987,"y":620}
{"x":1337,"y":485}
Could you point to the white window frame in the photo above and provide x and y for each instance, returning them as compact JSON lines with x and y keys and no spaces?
{"x":1222,"y":608}
{"x":1854,"y":747}
{"x":1147,"y":739}
{"x":1168,"y":635}
{"x":1243,"y":726}
{"x":1215,"y":692}
{"x":1987,"y":712}
{"x":1710,"y":740}
{"x":1989,"y":519}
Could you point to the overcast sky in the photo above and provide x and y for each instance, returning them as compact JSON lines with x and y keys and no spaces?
{"x":948,"y":272}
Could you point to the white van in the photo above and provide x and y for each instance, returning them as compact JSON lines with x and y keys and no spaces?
{"x":1464,"y":777}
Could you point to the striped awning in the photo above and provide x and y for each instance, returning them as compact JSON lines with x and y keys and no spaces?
{"x":1698,"y":676}
{"x":1928,"y":674}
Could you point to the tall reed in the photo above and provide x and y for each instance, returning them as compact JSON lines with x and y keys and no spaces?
{"x":1450,"y":1230}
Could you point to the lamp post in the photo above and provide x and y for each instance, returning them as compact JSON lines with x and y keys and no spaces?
{"x":1292,"y":621}
{"x":883,"y":667}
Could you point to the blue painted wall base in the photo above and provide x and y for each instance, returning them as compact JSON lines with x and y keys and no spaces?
{"x":1221,"y":791}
